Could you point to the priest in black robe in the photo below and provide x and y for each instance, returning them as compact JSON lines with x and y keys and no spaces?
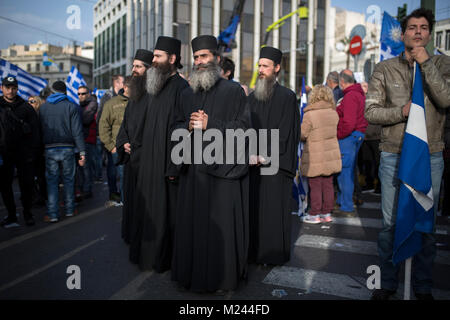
{"x":157,"y":181}
{"x":272,"y":107}
{"x":211,"y":233}
{"x":129,"y":138}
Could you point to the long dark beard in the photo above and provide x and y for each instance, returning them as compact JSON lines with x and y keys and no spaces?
{"x":205,"y":79}
{"x":136,"y":89}
{"x":157,"y":77}
{"x":264,"y":88}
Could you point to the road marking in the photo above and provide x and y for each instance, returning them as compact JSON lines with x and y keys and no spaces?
{"x":354,"y":246}
{"x":134,"y":289}
{"x":6,"y":244}
{"x":377,"y":223}
{"x":51,"y":264}
{"x":334,"y":284}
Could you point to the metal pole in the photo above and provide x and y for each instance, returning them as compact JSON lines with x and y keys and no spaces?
{"x":310,"y":61}
{"x":407,"y":279}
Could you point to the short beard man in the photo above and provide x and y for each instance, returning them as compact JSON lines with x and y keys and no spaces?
{"x":205,"y":76}
{"x":264,"y":87}
{"x":157,"y":76}
{"x":137,"y":87}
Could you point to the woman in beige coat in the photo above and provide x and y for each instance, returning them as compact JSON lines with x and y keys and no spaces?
{"x":321,"y":155}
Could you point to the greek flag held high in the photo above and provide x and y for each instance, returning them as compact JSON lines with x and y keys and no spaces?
{"x":415,"y":211}
{"x":391,"y":44}
{"x":300,"y":185}
{"x":29,"y":85}
{"x":73,"y":82}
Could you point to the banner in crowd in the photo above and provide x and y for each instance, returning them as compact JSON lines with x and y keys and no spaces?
{"x":29,"y":85}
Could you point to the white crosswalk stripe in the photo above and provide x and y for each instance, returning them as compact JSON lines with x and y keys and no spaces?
{"x":341,"y":284}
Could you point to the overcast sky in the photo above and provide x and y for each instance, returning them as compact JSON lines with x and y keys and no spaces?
{"x":51,"y":15}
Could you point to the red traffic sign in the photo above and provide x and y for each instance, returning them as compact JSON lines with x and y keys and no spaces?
{"x":355,"y":45}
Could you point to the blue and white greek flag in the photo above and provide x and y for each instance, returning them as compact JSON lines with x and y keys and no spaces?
{"x":300,"y":187}
{"x":415,"y":211}
{"x":73,"y":82}
{"x":99,"y":93}
{"x":29,"y":85}
{"x":391,"y":44}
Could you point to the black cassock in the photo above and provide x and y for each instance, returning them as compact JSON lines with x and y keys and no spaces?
{"x":271,"y":201}
{"x":155,"y":204}
{"x":131,"y":132}
{"x":211,"y":234}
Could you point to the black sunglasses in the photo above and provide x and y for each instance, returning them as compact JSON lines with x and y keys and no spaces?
{"x":32,"y":101}
{"x":82,"y":93}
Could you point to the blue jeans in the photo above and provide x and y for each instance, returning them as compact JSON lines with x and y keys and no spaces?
{"x":98,"y":160}
{"x":86,"y":173}
{"x":422,"y":263}
{"x":54,"y":157}
{"x":349,"y":150}
{"x":111,"y":173}
{"x":118,"y":172}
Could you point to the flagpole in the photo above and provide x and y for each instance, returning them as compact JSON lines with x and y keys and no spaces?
{"x":408,"y":262}
{"x":407,"y":293}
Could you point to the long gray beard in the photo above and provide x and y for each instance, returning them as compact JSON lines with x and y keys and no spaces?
{"x":264,"y":88}
{"x":156,"y":78}
{"x":205,"y":79}
{"x":136,"y":89}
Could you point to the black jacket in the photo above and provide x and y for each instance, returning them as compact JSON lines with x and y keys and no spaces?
{"x":27,"y":137}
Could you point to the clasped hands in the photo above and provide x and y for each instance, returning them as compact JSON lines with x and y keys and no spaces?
{"x":198,"y":120}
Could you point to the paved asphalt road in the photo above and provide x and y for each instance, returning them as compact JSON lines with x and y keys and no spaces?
{"x":329,"y":261}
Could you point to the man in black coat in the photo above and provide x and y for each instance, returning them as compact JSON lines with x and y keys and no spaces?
{"x":22,"y":143}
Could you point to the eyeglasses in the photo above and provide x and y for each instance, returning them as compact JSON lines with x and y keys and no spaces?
{"x":82,"y":93}
{"x":32,"y":101}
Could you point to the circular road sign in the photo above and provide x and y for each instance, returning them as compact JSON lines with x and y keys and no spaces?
{"x":355,"y":45}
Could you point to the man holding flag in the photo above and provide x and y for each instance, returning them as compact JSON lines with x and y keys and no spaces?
{"x":411,"y":163}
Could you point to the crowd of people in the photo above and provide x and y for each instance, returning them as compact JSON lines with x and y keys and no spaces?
{"x":206,"y":221}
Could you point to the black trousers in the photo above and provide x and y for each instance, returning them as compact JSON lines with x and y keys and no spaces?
{"x":446,"y":178}
{"x":25,"y":174}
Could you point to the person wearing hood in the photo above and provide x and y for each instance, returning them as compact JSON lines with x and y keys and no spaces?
{"x":62,"y":132}
{"x":350,"y":132}
{"x":21,"y":146}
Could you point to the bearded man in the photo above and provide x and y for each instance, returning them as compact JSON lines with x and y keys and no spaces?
{"x":129,"y":138}
{"x":211,"y":235}
{"x":156,"y":190}
{"x":273,"y":107}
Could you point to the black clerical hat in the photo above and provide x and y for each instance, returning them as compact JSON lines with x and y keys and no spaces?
{"x":144,"y":56}
{"x":271,"y":53}
{"x":204,"y":42}
{"x":171,"y":46}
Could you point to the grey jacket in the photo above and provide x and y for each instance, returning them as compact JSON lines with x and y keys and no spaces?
{"x":390,"y":88}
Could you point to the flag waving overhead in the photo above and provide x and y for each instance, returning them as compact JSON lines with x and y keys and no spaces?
{"x":391,"y":44}
{"x":415,"y":211}
{"x":29,"y":85}
{"x":73,"y":82}
{"x":300,"y":186}
{"x":46,"y":61}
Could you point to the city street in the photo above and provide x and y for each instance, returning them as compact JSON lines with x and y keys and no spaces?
{"x":329,"y":261}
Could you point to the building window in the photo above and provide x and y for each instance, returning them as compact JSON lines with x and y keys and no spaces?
{"x":38,"y":67}
{"x":438,"y":39}
{"x":46,"y":68}
{"x":61,"y":66}
{"x":447,"y":40}
{"x":29,"y":67}
{"x":124,"y":36}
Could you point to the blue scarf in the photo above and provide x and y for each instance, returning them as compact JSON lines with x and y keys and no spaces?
{"x":57,"y":97}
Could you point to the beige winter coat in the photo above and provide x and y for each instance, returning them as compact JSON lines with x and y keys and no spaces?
{"x":321,"y":154}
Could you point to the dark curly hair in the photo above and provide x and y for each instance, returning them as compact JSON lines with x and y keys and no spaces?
{"x":419,"y":13}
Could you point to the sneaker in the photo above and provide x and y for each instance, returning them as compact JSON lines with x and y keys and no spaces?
{"x":9,"y":223}
{"x":382,"y":294}
{"x":50,"y":219}
{"x":367,"y":189}
{"x":311,"y":219}
{"x":119,"y":204}
{"x":74,"y":213}
{"x":326,"y":217}
{"x":30,"y":221}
